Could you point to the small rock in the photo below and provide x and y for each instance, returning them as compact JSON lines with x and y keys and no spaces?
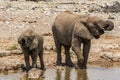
{"x":111,"y":56}
{"x":116,"y":56}
{"x":35,"y":73}
{"x":107,"y":55}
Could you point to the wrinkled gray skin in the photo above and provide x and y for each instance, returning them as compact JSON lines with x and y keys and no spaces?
{"x":32,"y":45}
{"x":71,"y":30}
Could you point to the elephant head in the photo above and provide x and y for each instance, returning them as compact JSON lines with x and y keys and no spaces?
{"x":105,"y":25}
{"x":28,"y":40}
{"x":92,"y":27}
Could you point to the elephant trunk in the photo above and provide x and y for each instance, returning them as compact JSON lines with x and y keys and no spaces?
{"x":109,"y":25}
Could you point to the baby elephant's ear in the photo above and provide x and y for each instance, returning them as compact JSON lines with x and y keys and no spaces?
{"x":81,"y":31}
{"x":34,"y":44}
{"x":21,"y":40}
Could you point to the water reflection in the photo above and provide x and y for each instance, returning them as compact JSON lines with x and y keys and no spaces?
{"x":58,"y":75}
{"x":66,"y":73}
{"x":81,"y":74}
{"x":91,"y":73}
{"x":71,"y":74}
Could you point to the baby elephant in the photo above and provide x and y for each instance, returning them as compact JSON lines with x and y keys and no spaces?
{"x":32,"y":45}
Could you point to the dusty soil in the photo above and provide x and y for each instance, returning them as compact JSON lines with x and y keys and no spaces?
{"x":17,"y":16}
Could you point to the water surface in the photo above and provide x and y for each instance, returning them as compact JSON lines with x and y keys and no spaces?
{"x":66,"y":73}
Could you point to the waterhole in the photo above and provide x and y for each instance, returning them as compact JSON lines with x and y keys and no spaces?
{"x":67,"y":73}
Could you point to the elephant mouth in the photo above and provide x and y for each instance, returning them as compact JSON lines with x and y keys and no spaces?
{"x":96,"y":36}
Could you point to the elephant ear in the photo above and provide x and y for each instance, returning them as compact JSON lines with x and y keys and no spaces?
{"x":34,"y":43}
{"x":21,"y":40}
{"x":81,"y":31}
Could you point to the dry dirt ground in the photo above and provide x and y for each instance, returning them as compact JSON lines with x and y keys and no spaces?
{"x":17,"y":16}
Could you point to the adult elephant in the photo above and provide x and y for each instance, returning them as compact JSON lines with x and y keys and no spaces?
{"x":70,"y":30}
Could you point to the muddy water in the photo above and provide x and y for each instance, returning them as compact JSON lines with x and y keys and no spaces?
{"x":92,"y":73}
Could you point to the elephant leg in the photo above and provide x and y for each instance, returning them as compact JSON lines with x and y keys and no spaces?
{"x":41,"y":59}
{"x":67,"y":56}
{"x":59,"y":58}
{"x":76,"y":47}
{"x":27,"y":61}
{"x":86,"y":49}
{"x":34,"y":58}
{"x":58,"y":49}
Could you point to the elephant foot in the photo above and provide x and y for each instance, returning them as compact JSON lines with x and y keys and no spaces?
{"x":81,"y":65}
{"x":84,"y":67}
{"x":70,"y":64}
{"x":58,"y":63}
{"x":42,"y":67}
{"x":23,"y":67}
{"x":27,"y":69}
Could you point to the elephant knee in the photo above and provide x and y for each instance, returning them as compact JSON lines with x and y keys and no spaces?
{"x":73,"y":48}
